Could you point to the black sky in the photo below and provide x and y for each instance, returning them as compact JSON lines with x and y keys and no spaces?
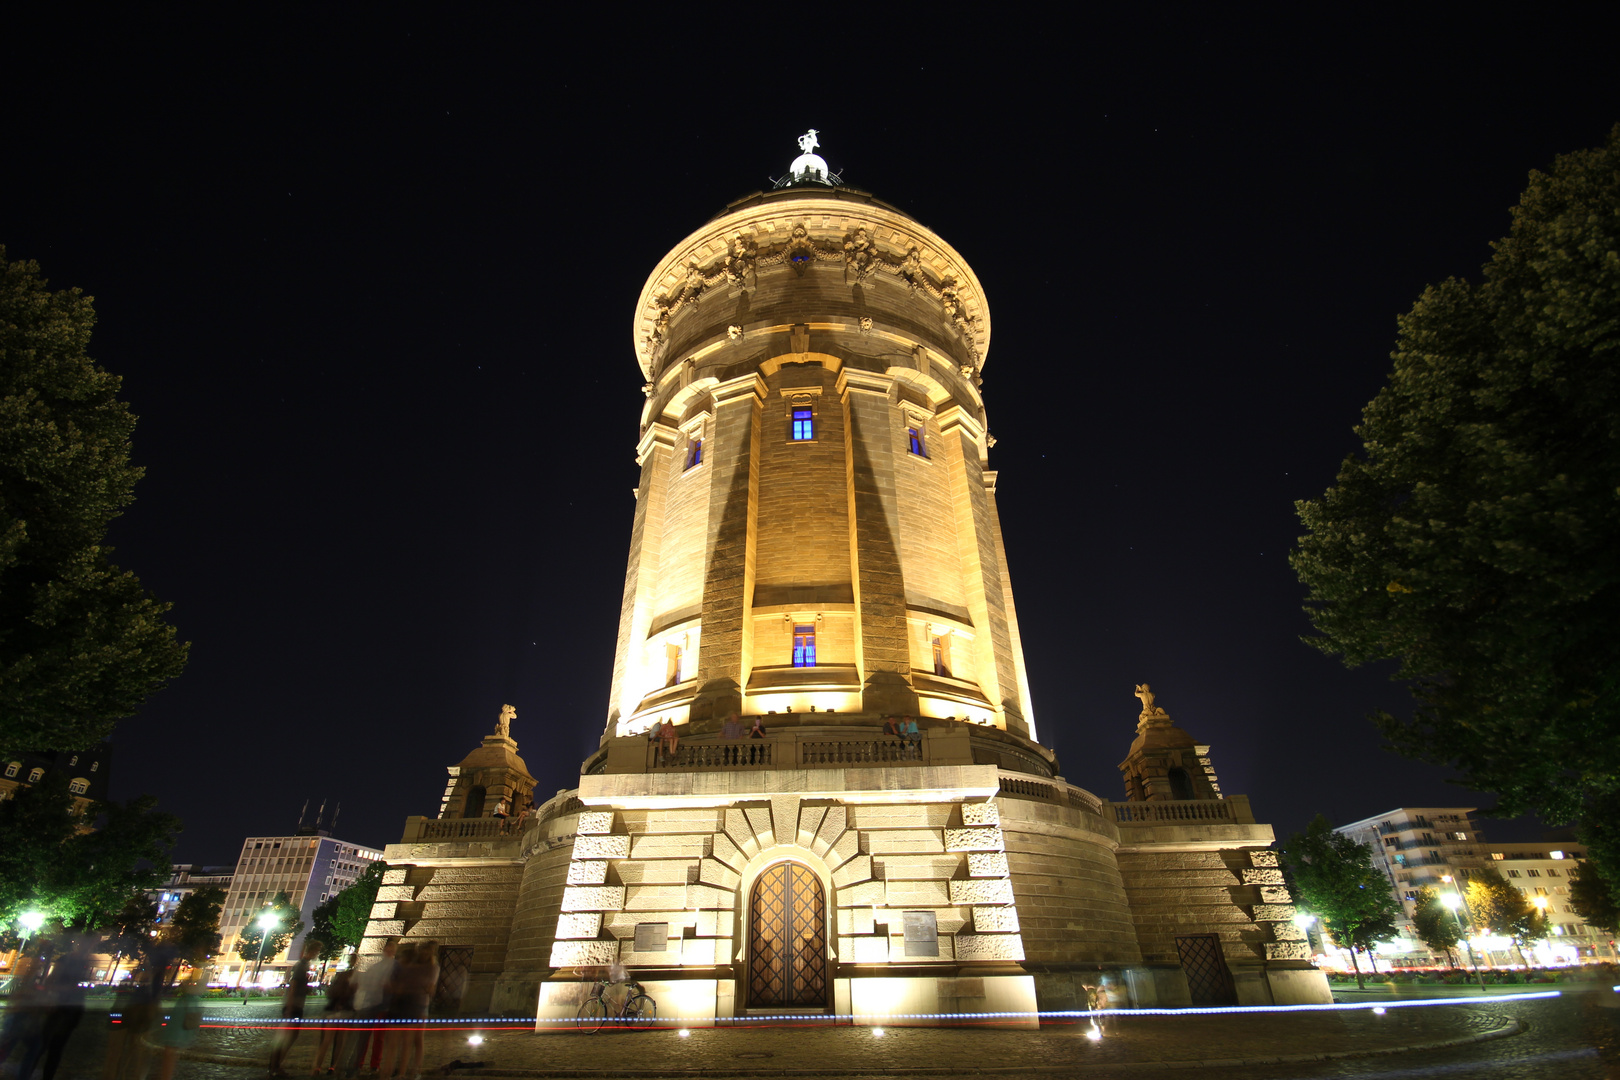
{"x":369,"y":278}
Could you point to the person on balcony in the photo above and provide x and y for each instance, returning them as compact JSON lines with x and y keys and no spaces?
{"x":891,"y":727}
{"x":909,"y":733}
{"x":668,"y":740}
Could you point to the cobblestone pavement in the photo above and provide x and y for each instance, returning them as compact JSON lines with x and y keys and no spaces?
{"x":1572,"y":1038}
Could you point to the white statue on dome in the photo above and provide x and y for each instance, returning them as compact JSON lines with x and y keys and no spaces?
{"x":503,"y":726}
{"x":808,"y":142}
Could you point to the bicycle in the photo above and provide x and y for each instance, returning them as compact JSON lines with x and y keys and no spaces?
{"x":598,"y":1009}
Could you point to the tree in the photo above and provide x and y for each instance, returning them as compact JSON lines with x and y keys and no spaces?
{"x":287,"y":927}
{"x":82,"y":644}
{"x":341,"y":921}
{"x":1502,"y":909}
{"x":1340,"y":886}
{"x":1591,"y":899}
{"x":193,"y":927}
{"x":79,"y":877}
{"x":132,"y":930}
{"x":1473,"y":538}
{"x":1436,"y":924}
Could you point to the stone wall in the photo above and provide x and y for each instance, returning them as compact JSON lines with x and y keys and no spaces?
{"x":534,"y":921}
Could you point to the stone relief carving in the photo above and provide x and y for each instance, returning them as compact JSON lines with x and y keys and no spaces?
{"x":801,"y":250}
{"x":860,"y":257}
{"x":740,"y":262}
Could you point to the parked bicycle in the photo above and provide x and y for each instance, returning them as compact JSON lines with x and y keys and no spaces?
{"x":636,"y":1008}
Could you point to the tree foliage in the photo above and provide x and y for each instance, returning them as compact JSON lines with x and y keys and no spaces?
{"x":1338,"y":883}
{"x":79,"y":877}
{"x":1591,"y":898}
{"x":193,"y":926}
{"x":340,"y":922}
{"x":1436,"y":924}
{"x":1474,"y":538}
{"x":82,"y":644}
{"x":1500,"y":908}
{"x":286,"y":928}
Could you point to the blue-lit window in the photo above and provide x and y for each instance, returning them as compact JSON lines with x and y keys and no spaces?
{"x":915,"y":436}
{"x":804,"y":424}
{"x":694,"y":454}
{"x":804,"y":646}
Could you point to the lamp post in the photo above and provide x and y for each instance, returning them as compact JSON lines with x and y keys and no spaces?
{"x":30,"y":921}
{"x":267,"y":922}
{"x":1540,"y":903}
{"x":1454,"y":900}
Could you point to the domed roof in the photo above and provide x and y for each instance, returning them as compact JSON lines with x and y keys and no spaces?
{"x":809,"y":167}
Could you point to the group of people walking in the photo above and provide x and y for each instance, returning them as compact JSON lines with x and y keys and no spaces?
{"x":393,"y":992}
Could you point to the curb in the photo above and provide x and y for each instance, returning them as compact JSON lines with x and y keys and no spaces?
{"x":1511,"y":1028}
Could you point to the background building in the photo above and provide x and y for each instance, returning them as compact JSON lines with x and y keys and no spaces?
{"x":310,"y":867}
{"x":816,"y":547}
{"x":85,"y":772}
{"x":185,"y":879}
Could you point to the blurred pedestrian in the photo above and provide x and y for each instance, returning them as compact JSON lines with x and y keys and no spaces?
{"x":335,"y":1031}
{"x":414,"y":982}
{"x":292,"y":1008}
{"x":371,"y":1005}
{"x":25,"y":1008}
{"x":185,"y":1019}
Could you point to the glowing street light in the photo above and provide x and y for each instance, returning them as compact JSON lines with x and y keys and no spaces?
{"x":30,"y":921}
{"x":1454,"y":900}
{"x":267,"y":922}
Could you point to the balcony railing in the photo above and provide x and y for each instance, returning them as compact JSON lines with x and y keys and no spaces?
{"x":1173,"y":811}
{"x":464,"y":828}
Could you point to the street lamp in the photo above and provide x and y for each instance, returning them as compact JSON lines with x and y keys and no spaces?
{"x":1454,"y":900}
{"x":267,"y":922}
{"x":1305,"y":922}
{"x":30,"y":921}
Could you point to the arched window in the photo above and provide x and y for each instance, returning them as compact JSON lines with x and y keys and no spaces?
{"x":475,"y":802}
{"x":1180,"y":785}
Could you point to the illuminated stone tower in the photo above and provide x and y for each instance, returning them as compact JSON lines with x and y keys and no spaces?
{"x":816,"y":525}
{"x":816,"y":551}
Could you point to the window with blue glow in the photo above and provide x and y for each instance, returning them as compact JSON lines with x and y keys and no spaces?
{"x":915,"y":435}
{"x":804,"y":646}
{"x":694,"y":454}
{"x":804,"y":425}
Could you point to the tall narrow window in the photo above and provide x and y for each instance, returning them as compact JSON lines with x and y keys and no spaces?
{"x":915,"y":435}
{"x":676,"y":659}
{"x":804,"y":646}
{"x":804,"y":424}
{"x":694,"y":454}
{"x":942,"y":655}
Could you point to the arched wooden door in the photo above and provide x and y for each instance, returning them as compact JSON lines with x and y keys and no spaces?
{"x":787,"y":939}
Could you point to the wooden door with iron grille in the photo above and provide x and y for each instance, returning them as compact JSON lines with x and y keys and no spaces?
{"x":787,"y":939}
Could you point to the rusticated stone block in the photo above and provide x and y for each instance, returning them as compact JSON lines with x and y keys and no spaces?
{"x":1275,"y":894}
{"x":847,"y":847}
{"x":974,"y":839}
{"x":396,"y":892}
{"x":690,"y":846}
{"x":1274,"y":912}
{"x":1287,"y":950}
{"x":727,"y":852}
{"x":989,"y":947}
{"x":741,"y":833}
{"x":715,"y":872}
{"x":707,"y":896}
{"x":987,"y":864}
{"x":857,"y":869}
{"x":579,"y":924}
{"x":594,"y":822}
{"x":809,"y":821}
{"x":904,"y":842}
{"x":602,"y":847}
{"x":916,"y":894}
{"x":383,"y":911}
{"x":996,"y":920}
{"x":394,"y":875}
{"x":832,"y":827}
{"x":593,"y":872}
{"x":1287,"y":931}
{"x":980,"y":813}
{"x":583,"y":953}
{"x":867,"y":893}
{"x":982,"y":891}
{"x":1262,"y":858}
{"x":593,"y":898}
{"x":785,"y":818}
{"x":759,"y":819}
{"x":385,"y":928}
{"x":1260,"y":876}
{"x":920,"y":867}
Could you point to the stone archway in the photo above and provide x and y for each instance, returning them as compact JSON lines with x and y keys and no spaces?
{"x":787,"y":939}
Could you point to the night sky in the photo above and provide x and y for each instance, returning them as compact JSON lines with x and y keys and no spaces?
{"x":369,"y":280}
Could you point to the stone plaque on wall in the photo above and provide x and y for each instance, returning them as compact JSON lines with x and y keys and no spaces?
{"x":652,"y":937}
{"x":922,"y":933}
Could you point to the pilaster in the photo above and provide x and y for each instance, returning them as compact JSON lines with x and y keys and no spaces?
{"x":641,"y":575}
